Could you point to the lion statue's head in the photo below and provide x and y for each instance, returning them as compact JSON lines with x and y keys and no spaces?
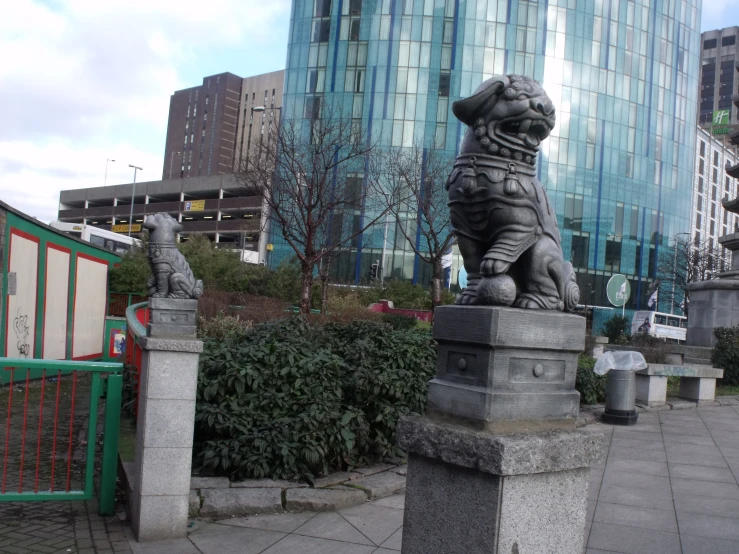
{"x":509,"y":117}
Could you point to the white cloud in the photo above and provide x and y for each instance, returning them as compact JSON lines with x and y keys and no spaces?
{"x":86,"y":80}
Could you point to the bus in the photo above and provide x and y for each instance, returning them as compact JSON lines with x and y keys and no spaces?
{"x":115,"y":242}
{"x":663,"y":326}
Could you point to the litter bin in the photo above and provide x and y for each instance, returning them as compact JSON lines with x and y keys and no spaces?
{"x":621,"y":398}
{"x":621,"y":386}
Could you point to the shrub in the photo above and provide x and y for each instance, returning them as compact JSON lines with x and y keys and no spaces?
{"x":591,"y":386}
{"x":616,"y":329}
{"x":292,"y":399}
{"x":653,"y":349}
{"x":726,"y":354}
{"x":398,"y":321}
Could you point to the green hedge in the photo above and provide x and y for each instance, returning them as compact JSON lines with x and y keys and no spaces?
{"x":726,"y":354}
{"x":290,"y":399}
{"x":592,"y":387}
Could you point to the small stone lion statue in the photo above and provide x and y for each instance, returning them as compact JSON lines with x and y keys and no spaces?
{"x":172,"y":277}
{"x":506,"y":229}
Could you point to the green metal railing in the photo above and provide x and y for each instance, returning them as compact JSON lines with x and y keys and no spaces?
{"x":44,"y":447}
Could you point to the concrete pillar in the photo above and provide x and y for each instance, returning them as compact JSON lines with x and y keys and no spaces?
{"x":697,"y":389}
{"x":496,"y":465}
{"x":164,"y":434}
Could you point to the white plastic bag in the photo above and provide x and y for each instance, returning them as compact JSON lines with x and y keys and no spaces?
{"x":620,"y":360}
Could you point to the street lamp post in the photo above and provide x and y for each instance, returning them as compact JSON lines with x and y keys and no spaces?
{"x":133,"y":194}
{"x":171,"y":159}
{"x":674,"y":274}
{"x":105,"y":182}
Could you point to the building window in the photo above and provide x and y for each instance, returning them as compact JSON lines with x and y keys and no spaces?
{"x":702,"y":168}
{"x":715,"y":158}
{"x":728,"y":41}
{"x":573,"y":212}
{"x":321,"y":30}
{"x":710,"y":43}
{"x":703,"y":149}
{"x":322,"y":8}
{"x":700,"y":185}
{"x":698,"y":221}
{"x":444,"y":84}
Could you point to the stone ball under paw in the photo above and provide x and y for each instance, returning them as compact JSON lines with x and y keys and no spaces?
{"x":498,"y":290}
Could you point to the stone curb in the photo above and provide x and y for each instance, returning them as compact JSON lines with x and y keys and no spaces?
{"x":216,"y":497}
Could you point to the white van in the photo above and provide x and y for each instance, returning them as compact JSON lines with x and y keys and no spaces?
{"x":660,"y":325}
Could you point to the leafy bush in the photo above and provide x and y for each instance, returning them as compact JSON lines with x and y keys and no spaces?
{"x":592,"y":387}
{"x":132,"y":272}
{"x":726,"y":354}
{"x":616,"y":329}
{"x":292,"y":399}
{"x":398,"y":321}
{"x":653,"y":349}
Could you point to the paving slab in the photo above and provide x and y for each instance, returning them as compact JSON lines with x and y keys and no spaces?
{"x":381,"y":485}
{"x":633,"y":540}
{"x":322,"y":500}
{"x":293,"y":544}
{"x":235,"y":540}
{"x":333,"y":526}
{"x":705,"y":488}
{"x":706,"y":545}
{"x":716,"y":527}
{"x":634,"y":516}
{"x":706,"y":505}
{"x":220,"y":503}
{"x":284,"y":523}
{"x":702,"y":473}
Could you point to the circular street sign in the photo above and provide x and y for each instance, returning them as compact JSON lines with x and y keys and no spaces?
{"x":618,"y":290}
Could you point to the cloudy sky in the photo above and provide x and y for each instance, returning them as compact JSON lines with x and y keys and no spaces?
{"x":82,"y":81}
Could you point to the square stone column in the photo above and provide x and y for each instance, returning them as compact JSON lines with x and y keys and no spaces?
{"x":651,"y":390}
{"x":475,"y":492}
{"x":164,"y":436}
{"x":496,"y":465}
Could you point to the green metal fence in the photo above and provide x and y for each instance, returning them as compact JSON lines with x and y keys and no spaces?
{"x":48,"y":453}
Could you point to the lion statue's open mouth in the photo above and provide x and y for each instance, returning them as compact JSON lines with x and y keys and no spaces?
{"x":528,"y":131}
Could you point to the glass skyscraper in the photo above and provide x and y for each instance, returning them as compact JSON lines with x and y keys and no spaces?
{"x":623,"y":75}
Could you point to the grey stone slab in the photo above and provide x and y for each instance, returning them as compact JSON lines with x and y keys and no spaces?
{"x":322,"y":500}
{"x":334,"y":527}
{"x":702,"y":473}
{"x":729,"y":452}
{"x":385,"y":551}
{"x":543,"y":512}
{"x":499,"y":454}
{"x":394,"y":542}
{"x":166,"y":423}
{"x":371,"y":470}
{"x":377,"y":529}
{"x":397,"y":502}
{"x":635,"y":480}
{"x":633,"y":540}
{"x":336,"y":479}
{"x":698,"y":449}
{"x":590,"y":510}
{"x":294,"y":544}
{"x":707,"y":505}
{"x":172,"y":345}
{"x":706,"y":545}
{"x":637,"y":454}
{"x":160,"y":517}
{"x":639,"y":466}
{"x":235,"y":540}
{"x":221,"y":503}
{"x":283,"y":523}
{"x":635,"y":516}
{"x":646,"y":432}
{"x":380,"y":485}
{"x":651,"y":498}
{"x":709,"y":526}
{"x":711,"y":460}
{"x":209,"y":482}
{"x":401,"y":470}
{"x":164,"y":471}
{"x":678,"y":430}
{"x":171,"y":546}
{"x":671,"y":438}
{"x":705,"y":488}
{"x":618,"y":442}
{"x":267,"y":484}
{"x":170,"y":375}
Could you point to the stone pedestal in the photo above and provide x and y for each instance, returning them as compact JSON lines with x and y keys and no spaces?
{"x":164,"y":435}
{"x":475,"y":492}
{"x":715,"y":303}
{"x":502,"y":367}
{"x":496,"y":465}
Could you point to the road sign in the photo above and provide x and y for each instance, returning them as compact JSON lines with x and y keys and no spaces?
{"x":618,"y":290}
{"x":194,"y":205}
{"x":135,"y":228}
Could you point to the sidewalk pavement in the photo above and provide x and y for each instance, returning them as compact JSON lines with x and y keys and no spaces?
{"x":667,"y":485}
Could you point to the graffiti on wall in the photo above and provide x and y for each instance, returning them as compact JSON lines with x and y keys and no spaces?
{"x":22,"y":332}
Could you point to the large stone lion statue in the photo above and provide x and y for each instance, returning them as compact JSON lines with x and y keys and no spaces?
{"x":506,"y":229}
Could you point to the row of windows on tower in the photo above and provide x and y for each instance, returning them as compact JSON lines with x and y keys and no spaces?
{"x":713,"y":43}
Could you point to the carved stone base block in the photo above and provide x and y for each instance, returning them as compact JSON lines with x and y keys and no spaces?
{"x":713,"y":304}
{"x":501,"y":366}
{"x":172,"y":317}
{"x":474,"y":492}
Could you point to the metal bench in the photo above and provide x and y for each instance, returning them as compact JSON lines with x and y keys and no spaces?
{"x":697,"y":383}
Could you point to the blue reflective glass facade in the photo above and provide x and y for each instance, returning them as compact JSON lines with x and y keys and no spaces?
{"x":623,"y":75}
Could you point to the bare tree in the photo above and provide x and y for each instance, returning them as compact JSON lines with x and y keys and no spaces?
{"x":687,"y":262}
{"x":416,"y":178}
{"x":312,"y":176}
